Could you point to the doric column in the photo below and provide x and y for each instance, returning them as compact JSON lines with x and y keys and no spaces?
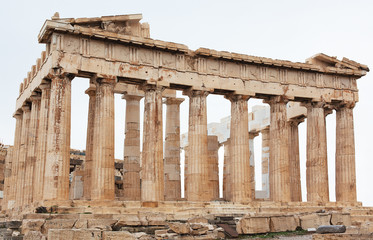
{"x":22,"y":155}
{"x":265,"y":161}
{"x":57,"y":166}
{"x":152,"y":173}
{"x":227,"y":192}
{"x":172,"y":150}
{"x":41,"y":150}
{"x":103,"y":165}
{"x":31,"y":149}
{"x":295,"y":184}
{"x":317,"y":164}
{"x":15,"y":160}
{"x":197,"y":184}
{"x":87,"y":180}
{"x":345,"y":175}
{"x":239,"y":152}
{"x":252,"y":135}
{"x":279,"y":151}
{"x":7,"y":177}
{"x":131,"y":165}
{"x":213,"y":166}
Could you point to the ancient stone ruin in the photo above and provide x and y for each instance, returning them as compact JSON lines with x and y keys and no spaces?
{"x":50,"y":193}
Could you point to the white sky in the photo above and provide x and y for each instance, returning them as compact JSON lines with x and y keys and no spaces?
{"x":290,"y":30}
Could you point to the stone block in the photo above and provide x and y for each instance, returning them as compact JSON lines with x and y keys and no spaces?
{"x":32,"y":225}
{"x":158,"y":219}
{"x":314,"y":220}
{"x":331,"y":229}
{"x":252,"y":225}
{"x":119,"y":235}
{"x":283,"y":223}
{"x":180,"y":228}
{"x":81,"y":224}
{"x":198,"y":220}
{"x":102,"y":224}
{"x":74,"y":234}
{"x":338,"y":218}
{"x":127,"y":220}
{"x":34,"y":235}
{"x":57,"y":224}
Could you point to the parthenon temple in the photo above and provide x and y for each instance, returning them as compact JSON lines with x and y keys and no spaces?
{"x":117,"y":56}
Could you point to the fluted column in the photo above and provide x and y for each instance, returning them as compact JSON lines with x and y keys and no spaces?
{"x":152,"y":173}
{"x":22,"y":155}
{"x":197,"y":184}
{"x":213,"y":165}
{"x":295,"y":183}
{"x":265,"y":161}
{"x":31,"y":149}
{"x":57,"y":166}
{"x":227,"y":194}
{"x":240,"y":152}
{"x":103,"y":165}
{"x":131,"y":165}
{"x":41,"y":150}
{"x":172,"y":150}
{"x":7,"y":177}
{"x":15,"y":160}
{"x":345,"y":175}
{"x":317,"y":164}
{"x":279,"y":151}
{"x":87,"y":178}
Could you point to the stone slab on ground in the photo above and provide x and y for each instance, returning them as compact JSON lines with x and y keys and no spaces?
{"x":331,"y":229}
{"x":75,"y":234}
{"x":283,"y":223}
{"x":252,"y":225}
{"x":314,"y":220}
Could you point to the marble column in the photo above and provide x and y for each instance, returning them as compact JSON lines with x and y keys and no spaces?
{"x":213,"y":165}
{"x":227,"y":192}
{"x":295,"y":183}
{"x":279,"y":151}
{"x":197,"y":184}
{"x":239,"y":152}
{"x":317,"y":164}
{"x":31,"y":149}
{"x":103,"y":163}
{"x":265,"y":162}
{"x":7,"y":177}
{"x":152,"y":172}
{"x":87,"y":178}
{"x":131,"y":165}
{"x":41,"y":150}
{"x":22,"y":155}
{"x":345,"y":175}
{"x":15,"y":161}
{"x":57,"y":165}
{"x":172,"y":180}
{"x":252,"y":135}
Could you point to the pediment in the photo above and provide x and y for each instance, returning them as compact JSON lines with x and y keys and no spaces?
{"x":326,"y":61}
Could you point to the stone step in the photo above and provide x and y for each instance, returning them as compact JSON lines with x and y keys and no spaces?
{"x":362,"y":218}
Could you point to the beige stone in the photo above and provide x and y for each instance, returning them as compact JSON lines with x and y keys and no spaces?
{"x":283,"y":223}
{"x":34,"y":235}
{"x":32,"y":225}
{"x":57,"y":224}
{"x":75,"y":234}
{"x":314,"y":220}
{"x":109,"y":235}
{"x":180,"y":228}
{"x":339,"y":218}
{"x":103,"y":224}
{"x":253,"y":225}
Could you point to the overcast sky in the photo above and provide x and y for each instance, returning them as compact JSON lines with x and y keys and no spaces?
{"x":289,"y":30}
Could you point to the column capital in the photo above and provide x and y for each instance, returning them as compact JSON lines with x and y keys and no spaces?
{"x":26,"y":108}
{"x":194,"y":92}
{"x":91,"y":91}
{"x":252,"y":135}
{"x":45,"y":86}
{"x":340,"y":105}
{"x":35,"y":97}
{"x":235,"y":97}
{"x":276,"y":99}
{"x":151,"y":87}
{"x":296,"y":121}
{"x":58,"y":73}
{"x":132,"y":97}
{"x":173,"y":101}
